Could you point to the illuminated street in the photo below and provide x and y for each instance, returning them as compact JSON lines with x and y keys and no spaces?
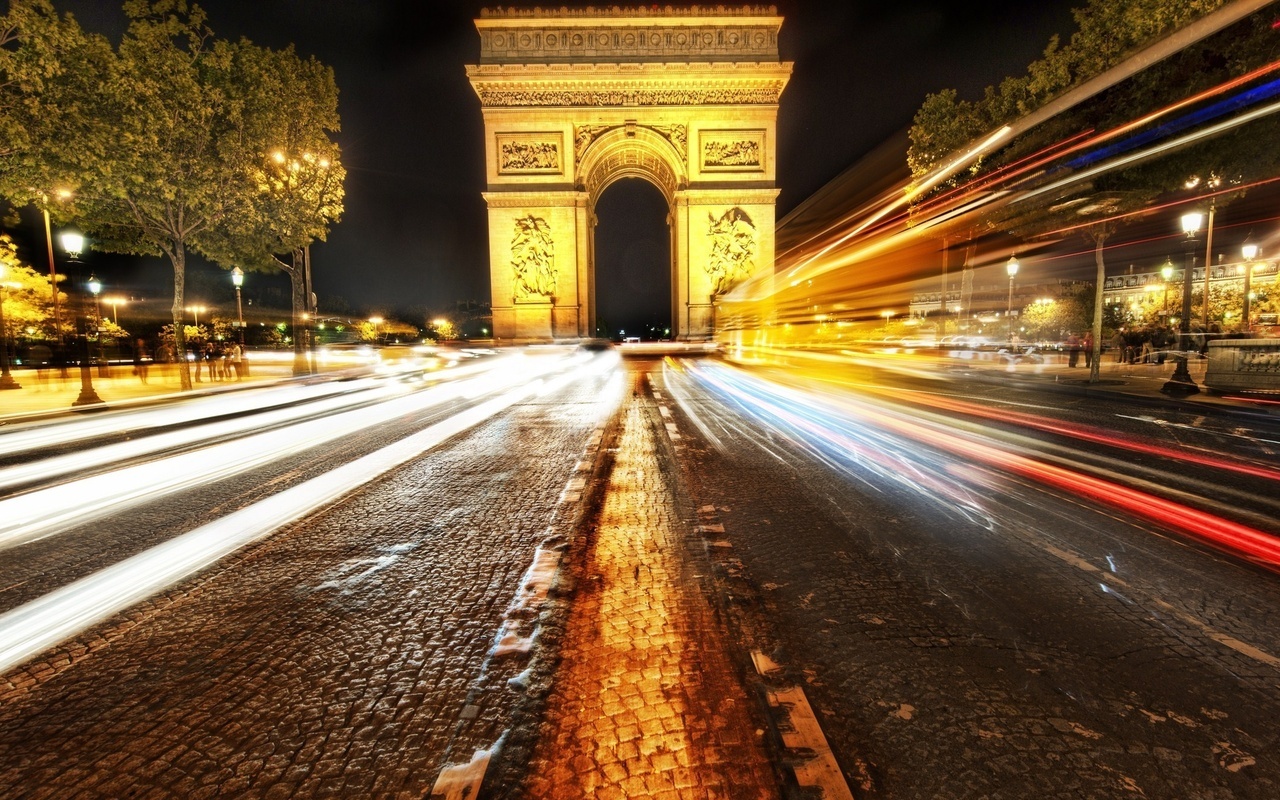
{"x":810,"y":401}
{"x":981,"y":587}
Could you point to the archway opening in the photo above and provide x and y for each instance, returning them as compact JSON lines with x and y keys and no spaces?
{"x":633,"y":261}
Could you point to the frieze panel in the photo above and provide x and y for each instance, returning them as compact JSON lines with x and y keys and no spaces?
{"x":595,"y":98}
{"x":557,"y":43}
{"x":734,"y":244}
{"x":533,"y":261}
{"x":530,"y":153}
{"x":733,"y":151}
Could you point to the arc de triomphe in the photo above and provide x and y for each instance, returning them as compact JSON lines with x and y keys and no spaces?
{"x":573,"y":100}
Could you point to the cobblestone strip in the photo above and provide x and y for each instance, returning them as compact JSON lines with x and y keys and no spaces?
{"x":514,"y":646}
{"x":646,"y":702}
{"x":797,"y":733}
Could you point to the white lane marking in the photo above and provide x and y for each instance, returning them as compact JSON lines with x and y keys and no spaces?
{"x":1241,"y":647}
{"x":35,"y":626}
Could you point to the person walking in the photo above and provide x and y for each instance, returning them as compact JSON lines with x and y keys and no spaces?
{"x":1087,"y":344}
{"x":140,"y":360}
{"x":1073,"y":349}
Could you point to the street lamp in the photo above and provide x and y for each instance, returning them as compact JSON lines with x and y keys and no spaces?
{"x":115,"y":301}
{"x":1166,"y":272}
{"x":6,"y":380}
{"x":95,"y":288}
{"x":376,"y":322}
{"x":237,"y":278}
{"x":73,"y":244}
{"x":1012,"y":268}
{"x":195,"y":313}
{"x":1250,"y":251}
{"x":1180,"y":382}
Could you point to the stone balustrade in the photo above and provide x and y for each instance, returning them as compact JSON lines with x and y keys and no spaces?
{"x":1243,"y":365}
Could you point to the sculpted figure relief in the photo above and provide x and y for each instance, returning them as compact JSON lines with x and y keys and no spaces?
{"x":733,"y":249}
{"x":642,"y":97}
{"x":739,"y":153}
{"x":533,"y":259}
{"x":530,"y":156}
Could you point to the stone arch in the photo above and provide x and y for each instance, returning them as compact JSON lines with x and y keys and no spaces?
{"x":577,"y":99}
{"x":638,"y":153}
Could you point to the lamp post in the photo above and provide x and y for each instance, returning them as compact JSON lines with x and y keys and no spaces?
{"x":195,"y":314}
{"x":6,"y":380}
{"x":376,"y":322}
{"x":1180,"y":382}
{"x":73,"y":244}
{"x":95,"y":288}
{"x":1166,"y":272}
{"x":1012,"y":268}
{"x":115,"y":301}
{"x":1250,"y":251}
{"x":237,"y":278}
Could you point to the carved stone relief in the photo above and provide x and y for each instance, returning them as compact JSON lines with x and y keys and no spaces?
{"x":733,"y":151}
{"x":529,"y":153}
{"x":734,"y":244}
{"x":584,"y":135}
{"x":500,"y":98}
{"x":533,"y":260}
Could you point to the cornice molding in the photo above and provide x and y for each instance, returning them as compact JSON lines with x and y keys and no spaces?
{"x":606,"y":12}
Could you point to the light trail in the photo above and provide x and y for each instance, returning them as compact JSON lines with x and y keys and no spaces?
{"x":102,"y":457}
{"x":25,"y":437}
{"x":34,"y":627}
{"x":858,"y":437}
{"x":44,"y":512}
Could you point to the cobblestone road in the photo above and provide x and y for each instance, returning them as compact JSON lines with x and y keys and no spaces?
{"x":646,"y":702}
{"x":1037,"y":650}
{"x":333,"y":660}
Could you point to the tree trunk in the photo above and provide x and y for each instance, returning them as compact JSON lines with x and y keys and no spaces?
{"x":301,"y":315}
{"x":178,"y":255}
{"x":1095,"y":363}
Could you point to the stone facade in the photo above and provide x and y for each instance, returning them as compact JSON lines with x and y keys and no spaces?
{"x":641,"y":94}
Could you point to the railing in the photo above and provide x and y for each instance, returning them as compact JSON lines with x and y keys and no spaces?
{"x":1243,"y":365}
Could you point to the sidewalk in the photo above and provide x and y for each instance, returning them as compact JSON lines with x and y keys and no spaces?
{"x":1137,"y":382}
{"x":45,"y":393}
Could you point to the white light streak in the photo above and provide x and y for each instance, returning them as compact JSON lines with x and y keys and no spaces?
{"x":31,"y":628}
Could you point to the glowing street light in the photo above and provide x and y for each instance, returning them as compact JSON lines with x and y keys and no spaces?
{"x":1166,"y":272}
{"x":1180,"y":382}
{"x":195,"y":312}
{"x":376,"y":322}
{"x":73,"y":244}
{"x":1011,"y":267}
{"x":237,"y":278}
{"x":115,"y":301}
{"x":1250,"y":251}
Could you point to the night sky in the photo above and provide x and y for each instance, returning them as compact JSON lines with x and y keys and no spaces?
{"x":414,"y":233}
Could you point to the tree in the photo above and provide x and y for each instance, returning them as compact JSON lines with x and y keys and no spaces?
{"x":49,"y":68}
{"x":1109,"y":32}
{"x":295,"y":176}
{"x":28,"y":301}
{"x":157,"y":161}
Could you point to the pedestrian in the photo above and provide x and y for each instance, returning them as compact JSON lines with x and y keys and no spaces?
{"x":140,"y":360}
{"x":1073,"y":349}
{"x":1087,"y":344}
{"x":195,"y":355}
{"x":1118,"y":344}
{"x":42,"y":358}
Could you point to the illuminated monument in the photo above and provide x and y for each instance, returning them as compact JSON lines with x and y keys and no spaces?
{"x":573,"y":100}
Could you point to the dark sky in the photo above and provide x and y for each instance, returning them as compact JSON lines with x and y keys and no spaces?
{"x":414,"y":232}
